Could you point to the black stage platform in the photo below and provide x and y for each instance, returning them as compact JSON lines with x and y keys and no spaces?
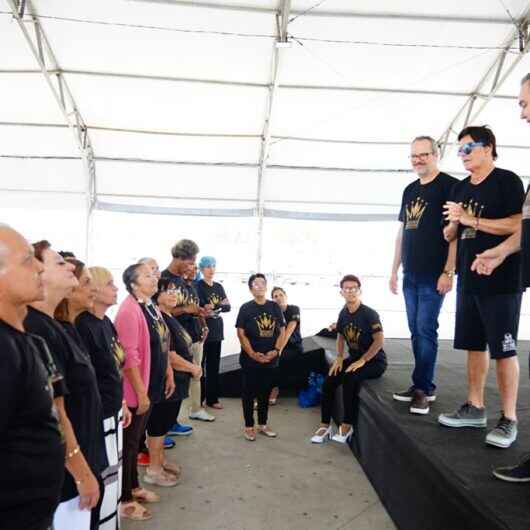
{"x":431,"y":477}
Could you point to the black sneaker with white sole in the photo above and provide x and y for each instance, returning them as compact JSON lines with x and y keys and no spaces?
{"x":419,"y":404}
{"x":504,"y":434}
{"x":518,"y":473}
{"x":466,"y":416}
{"x":407,"y":395}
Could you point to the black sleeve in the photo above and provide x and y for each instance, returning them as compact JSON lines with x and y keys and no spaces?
{"x":374,"y":322}
{"x":202,"y":295}
{"x":401,"y":215}
{"x":42,"y":349}
{"x":94,"y":350}
{"x":340,"y":324}
{"x":10,"y":383}
{"x":293,"y":315}
{"x":241,"y":318}
{"x":512,"y":190}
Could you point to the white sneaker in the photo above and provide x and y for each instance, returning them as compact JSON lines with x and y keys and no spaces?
{"x":202,"y":415}
{"x":342,"y":438}
{"x":322,"y":434}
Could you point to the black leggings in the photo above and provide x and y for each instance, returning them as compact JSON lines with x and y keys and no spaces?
{"x":211,"y":358}
{"x":351,"y":386}
{"x":257,"y":384}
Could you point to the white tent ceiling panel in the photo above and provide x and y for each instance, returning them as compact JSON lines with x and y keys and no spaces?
{"x":363,"y":116}
{"x":165,"y":15}
{"x":39,"y":141}
{"x":142,"y":104}
{"x":27,"y":98}
{"x":288,"y":152}
{"x":45,"y":175}
{"x":162,"y":147}
{"x":167,"y":180}
{"x":159,"y":53}
{"x":331,"y":186}
{"x":512,"y":85}
{"x":29,"y":201}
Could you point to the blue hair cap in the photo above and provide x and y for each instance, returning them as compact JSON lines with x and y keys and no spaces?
{"x":207,"y":261}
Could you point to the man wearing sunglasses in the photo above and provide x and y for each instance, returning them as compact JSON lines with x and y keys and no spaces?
{"x":488,"y":261}
{"x":428,"y":264}
{"x":484,"y":212}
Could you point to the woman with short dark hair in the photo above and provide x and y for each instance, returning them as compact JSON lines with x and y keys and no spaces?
{"x":261,"y":331}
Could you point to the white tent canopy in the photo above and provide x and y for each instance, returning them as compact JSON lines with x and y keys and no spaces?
{"x":275,"y":133}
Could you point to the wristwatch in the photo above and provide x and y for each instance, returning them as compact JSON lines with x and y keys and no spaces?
{"x":450,"y":273}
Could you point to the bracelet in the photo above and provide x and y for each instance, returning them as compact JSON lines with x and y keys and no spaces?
{"x":72,"y":453}
{"x":449,"y":273}
{"x":476,"y":222}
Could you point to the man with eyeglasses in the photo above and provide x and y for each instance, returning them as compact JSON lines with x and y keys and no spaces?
{"x":428,"y":264}
{"x":485,"y":211}
{"x":488,"y":261}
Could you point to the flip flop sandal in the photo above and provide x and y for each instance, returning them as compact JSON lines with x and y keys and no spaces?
{"x":135,"y":512}
{"x":143,"y":495}
{"x":174,"y":469}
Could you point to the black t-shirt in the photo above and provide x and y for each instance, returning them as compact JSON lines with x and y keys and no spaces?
{"x":500,"y":195}
{"x":424,"y":249}
{"x":186,"y":294}
{"x":180,"y":342}
{"x":261,"y":323}
{"x":107,"y":356}
{"x":358,"y":329}
{"x":292,"y":314}
{"x":31,"y":443}
{"x":82,"y":400}
{"x":159,"y":342}
{"x":525,"y":241}
{"x":213,"y":295}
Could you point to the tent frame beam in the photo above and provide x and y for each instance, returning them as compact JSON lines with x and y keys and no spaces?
{"x":324,"y":88}
{"x":43,"y":53}
{"x":498,"y":75}
{"x":282,"y":20}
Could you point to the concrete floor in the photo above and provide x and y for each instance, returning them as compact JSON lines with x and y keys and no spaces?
{"x":285,"y":483}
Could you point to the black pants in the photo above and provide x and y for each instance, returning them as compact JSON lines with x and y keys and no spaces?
{"x":132,"y":437}
{"x":257,"y":384}
{"x":211,"y":358}
{"x":351,"y":385}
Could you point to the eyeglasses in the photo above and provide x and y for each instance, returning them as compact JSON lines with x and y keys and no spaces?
{"x":420,"y":156}
{"x":352,"y":290}
{"x":467,"y":148}
{"x":171,"y":291}
{"x":259,"y":283}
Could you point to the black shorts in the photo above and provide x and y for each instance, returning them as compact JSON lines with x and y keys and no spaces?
{"x":488,"y":321}
{"x":162,"y":418}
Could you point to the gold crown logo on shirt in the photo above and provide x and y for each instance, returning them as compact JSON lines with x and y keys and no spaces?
{"x":119,"y":352}
{"x":181,"y":297}
{"x":473,"y":208}
{"x":352,"y":334}
{"x":266,"y":325}
{"x":414,"y":212}
{"x":215,"y":299}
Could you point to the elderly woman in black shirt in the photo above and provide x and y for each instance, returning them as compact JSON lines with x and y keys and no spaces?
{"x":30,"y":440}
{"x":80,"y":411}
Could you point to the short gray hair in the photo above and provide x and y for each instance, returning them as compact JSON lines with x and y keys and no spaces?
{"x":145,"y":260}
{"x":3,"y":249}
{"x":434,"y":143}
{"x":525,"y":79}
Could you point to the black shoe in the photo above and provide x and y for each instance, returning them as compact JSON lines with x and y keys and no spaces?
{"x":518,"y":473}
{"x":420,"y":404}
{"x":407,"y":395}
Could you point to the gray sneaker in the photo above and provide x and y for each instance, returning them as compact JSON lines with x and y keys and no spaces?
{"x":504,"y":433}
{"x":466,"y":416}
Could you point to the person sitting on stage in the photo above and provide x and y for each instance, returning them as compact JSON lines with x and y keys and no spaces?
{"x":290,"y":363}
{"x":360,"y":328}
{"x":261,"y":331}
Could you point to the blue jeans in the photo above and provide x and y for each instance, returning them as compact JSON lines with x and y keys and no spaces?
{"x":423,"y":304}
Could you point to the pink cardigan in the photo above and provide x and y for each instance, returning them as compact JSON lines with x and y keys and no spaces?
{"x":133,"y":334}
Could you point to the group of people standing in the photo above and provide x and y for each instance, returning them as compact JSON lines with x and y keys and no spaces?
{"x":477,"y":228}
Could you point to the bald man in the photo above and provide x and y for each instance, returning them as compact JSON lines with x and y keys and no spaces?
{"x":30,"y":439}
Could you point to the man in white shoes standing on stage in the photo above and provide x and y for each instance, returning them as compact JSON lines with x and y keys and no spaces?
{"x":484,"y":211}
{"x":428,"y":266}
